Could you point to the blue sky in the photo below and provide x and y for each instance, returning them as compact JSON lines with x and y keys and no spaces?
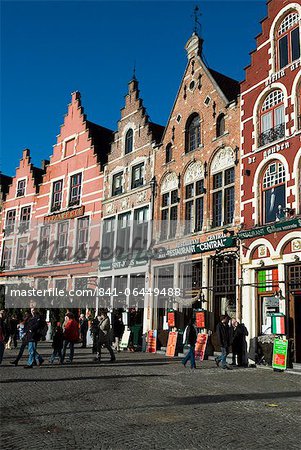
{"x":49,"y":49}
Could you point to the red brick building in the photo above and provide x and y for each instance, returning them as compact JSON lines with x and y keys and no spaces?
{"x":271,"y":175}
{"x":52,"y":216}
{"x":197,"y":197}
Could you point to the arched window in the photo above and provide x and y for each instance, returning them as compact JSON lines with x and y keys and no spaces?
{"x":129,"y":141}
{"x":272,"y":123}
{"x":193,"y":133}
{"x":168,"y":153}
{"x":288,"y":40}
{"x":273,"y":192}
{"x":220,"y":125}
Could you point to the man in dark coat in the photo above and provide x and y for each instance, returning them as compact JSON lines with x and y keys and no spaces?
{"x":83,"y":326}
{"x":34,"y":334}
{"x":4,"y":333}
{"x":190,"y":339}
{"x":239,"y":344}
{"x":224,"y":338}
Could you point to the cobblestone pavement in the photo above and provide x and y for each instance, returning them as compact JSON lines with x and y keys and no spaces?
{"x":146,"y":401}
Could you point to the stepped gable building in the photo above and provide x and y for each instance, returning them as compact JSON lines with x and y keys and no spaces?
{"x":271,"y":176}
{"x":197,"y":197}
{"x":5,"y":182}
{"x":127,"y":211}
{"x":58,"y":210}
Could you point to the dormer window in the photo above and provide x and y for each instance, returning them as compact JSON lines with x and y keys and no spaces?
{"x":129,"y":141}
{"x":117,"y":184}
{"x":21,"y":188}
{"x":288,"y":40}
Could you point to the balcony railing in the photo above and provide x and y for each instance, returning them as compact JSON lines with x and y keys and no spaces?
{"x":272,"y":135}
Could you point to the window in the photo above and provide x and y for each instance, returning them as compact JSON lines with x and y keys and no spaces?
{"x":21,"y":252}
{"x":57,"y":192}
{"x":75,"y":189}
{"x":62,"y":241}
{"x":117,"y":184}
{"x":10,"y":221}
{"x":193,"y":133}
{"x":168,"y":153}
{"x":123,"y":234}
{"x":140,"y":229}
{"x":69,"y":148}
{"x":21,"y":188}
{"x":273,"y":193}
{"x":194,"y":206}
{"x":220,"y":125}
{"x":7,"y":254}
{"x":288,"y":40}
{"x":82,"y":238}
{"x":129,"y":141}
{"x":272,"y":123}
{"x":44,"y":245}
{"x":137,"y":175}
{"x":169,"y":214}
{"x":24,"y":218}
{"x":223,"y":197}
{"x":108,"y":238}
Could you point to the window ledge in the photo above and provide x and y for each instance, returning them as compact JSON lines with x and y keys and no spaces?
{"x":217,"y":138}
{"x":271,"y":144}
{"x":169,"y":162}
{"x":200,"y":147}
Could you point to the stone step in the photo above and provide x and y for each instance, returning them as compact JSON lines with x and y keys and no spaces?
{"x":297,"y":366}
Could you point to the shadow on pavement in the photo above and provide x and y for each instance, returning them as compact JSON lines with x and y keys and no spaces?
{"x":101,"y":377}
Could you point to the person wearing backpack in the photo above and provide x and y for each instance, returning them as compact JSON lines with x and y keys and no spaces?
{"x":71,"y":335}
{"x":190,"y":339}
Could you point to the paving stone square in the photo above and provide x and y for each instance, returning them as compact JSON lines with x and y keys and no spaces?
{"x":146,"y":401}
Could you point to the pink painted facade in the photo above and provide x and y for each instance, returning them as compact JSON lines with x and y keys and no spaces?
{"x":62,"y":236}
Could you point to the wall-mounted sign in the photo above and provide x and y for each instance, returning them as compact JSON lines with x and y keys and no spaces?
{"x":200,"y":319}
{"x":70,"y":214}
{"x":268,"y":229}
{"x":171,"y":319}
{"x":214,"y":244}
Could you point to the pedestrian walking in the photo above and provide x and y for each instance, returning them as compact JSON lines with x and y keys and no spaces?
{"x":4,"y":334}
{"x":190,"y":337}
{"x":36,"y":325}
{"x":71,"y":335}
{"x":57,"y":344}
{"x":13,"y":332}
{"x":239,"y":344}
{"x":83,"y":324}
{"x":224,"y":337}
{"x":94,"y":330}
{"x":23,"y":328}
{"x":118,"y":329}
{"x":103,"y":337}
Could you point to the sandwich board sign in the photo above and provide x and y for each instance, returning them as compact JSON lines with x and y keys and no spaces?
{"x":280,"y":354}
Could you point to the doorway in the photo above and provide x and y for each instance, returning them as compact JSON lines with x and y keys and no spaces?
{"x":297,"y":327}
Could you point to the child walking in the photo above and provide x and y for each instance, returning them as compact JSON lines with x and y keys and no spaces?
{"x":57,"y":344}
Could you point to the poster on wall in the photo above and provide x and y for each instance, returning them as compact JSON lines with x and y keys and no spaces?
{"x":125,"y":339}
{"x":151,"y":341}
{"x":172,"y":343}
{"x":280,"y":354}
{"x":200,"y":346}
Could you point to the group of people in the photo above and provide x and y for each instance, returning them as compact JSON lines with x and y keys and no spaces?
{"x":33,"y":328}
{"x":230,"y":334}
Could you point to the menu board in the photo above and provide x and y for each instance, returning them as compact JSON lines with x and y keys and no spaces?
{"x":200,"y":346}
{"x":280,"y":354}
{"x":171,"y":319}
{"x":151,"y":341}
{"x":200,"y":319}
{"x":172,"y":343}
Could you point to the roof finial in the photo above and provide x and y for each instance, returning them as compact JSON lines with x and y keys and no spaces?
{"x":196,"y":15}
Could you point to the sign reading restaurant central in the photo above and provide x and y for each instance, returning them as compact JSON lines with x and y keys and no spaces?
{"x":70,"y":214}
{"x":193,"y":248}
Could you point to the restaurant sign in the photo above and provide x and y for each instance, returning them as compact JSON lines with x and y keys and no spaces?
{"x":70,"y":214}
{"x":286,"y":225}
{"x":215,"y":243}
